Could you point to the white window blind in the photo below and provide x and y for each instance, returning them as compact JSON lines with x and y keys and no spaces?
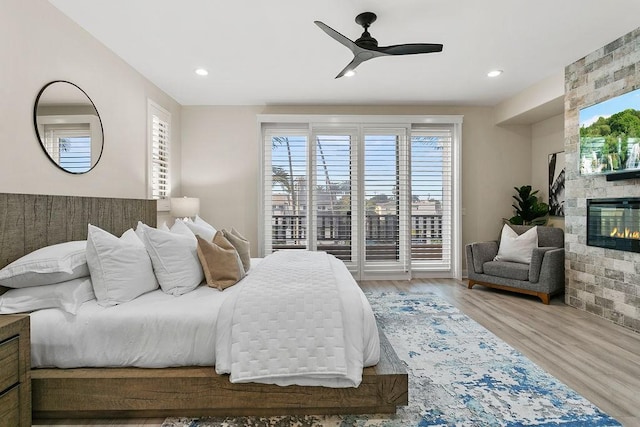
{"x":431,"y":198}
{"x":379,"y":195}
{"x":69,"y":145}
{"x":286,"y":195}
{"x":386,"y":192}
{"x":160,"y":139}
{"x":334,"y":194}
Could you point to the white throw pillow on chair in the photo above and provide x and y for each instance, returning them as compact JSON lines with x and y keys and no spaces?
{"x":517,"y":248}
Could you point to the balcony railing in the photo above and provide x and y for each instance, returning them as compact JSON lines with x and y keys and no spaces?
{"x":333,"y":235}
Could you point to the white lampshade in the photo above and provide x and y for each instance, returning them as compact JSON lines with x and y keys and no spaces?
{"x":183,"y":207}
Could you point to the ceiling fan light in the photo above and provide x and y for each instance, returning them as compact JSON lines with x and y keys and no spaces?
{"x":201,"y":72}
{"x":494,"y":73}
{"x":350,"y":73}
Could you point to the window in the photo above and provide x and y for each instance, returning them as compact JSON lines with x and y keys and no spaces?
{"x":72,"y":141}
{"x":333,"y":194}
{"x":159,"y":151}
{"x":431,"y":197}
{"x":385,"y":193}
{"x":69,"y":145}
{"x":285,"y":195}
{"x":379,"y":193}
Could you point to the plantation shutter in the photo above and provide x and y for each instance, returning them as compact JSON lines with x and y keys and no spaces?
{"x":334,"y":191}
{"x":382,"y":196}
{"x":69,"y":145}
{"x":431,"y":198}
{"x":160,"y":139}
{"x":286,"y":193}
{"x":386,"y":195}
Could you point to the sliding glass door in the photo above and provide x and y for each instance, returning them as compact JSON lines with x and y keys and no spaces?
{"x":285,"y":190}
{"x":379,"y":198}
{"x":334,"y":195}
{"x":385,"y":195}
{"x":432,"y":199}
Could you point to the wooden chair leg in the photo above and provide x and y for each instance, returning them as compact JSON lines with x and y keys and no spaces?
{"x":545,"y":298}
{"x":471,"y":283}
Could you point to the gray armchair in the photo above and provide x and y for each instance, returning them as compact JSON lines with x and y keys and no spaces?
{"x":543,"y":277}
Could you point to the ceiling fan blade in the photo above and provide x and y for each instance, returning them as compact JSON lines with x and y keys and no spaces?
{"x":337,"y":36}
{"x":410,"y":48}
{"x":351,"y":66}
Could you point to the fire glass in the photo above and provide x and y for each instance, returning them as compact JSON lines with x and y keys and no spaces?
{"x":614,"y":223}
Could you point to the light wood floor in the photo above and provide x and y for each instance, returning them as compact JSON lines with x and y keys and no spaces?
{"x":598,"y":359}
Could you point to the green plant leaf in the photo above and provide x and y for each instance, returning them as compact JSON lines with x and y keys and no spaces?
{"x":528,"y":208}
{"x":517,"y":220}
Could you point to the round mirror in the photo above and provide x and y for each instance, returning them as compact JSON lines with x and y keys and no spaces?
{"x":68,"y":127}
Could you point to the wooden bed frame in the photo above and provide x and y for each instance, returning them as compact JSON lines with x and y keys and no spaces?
{"x":29,"y":222}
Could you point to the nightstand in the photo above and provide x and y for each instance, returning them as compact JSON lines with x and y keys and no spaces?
{"x":15,"y":376}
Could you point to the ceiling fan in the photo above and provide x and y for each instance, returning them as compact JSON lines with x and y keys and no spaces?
{"x":366,"y":47}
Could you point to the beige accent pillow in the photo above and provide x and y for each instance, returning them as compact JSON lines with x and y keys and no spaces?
{"x":241,"y":244}
{"x":220,"y":262}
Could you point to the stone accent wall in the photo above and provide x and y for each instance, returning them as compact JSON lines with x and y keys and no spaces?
{"x":601,"y":281}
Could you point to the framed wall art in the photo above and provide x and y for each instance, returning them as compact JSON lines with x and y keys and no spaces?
{"x":556,"y":184}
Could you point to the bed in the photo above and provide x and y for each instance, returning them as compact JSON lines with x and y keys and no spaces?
{"x":29,"y":222}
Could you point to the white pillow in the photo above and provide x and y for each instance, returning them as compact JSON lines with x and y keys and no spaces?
{"x":140,"y":229}
{"x":517,"y":248}
{"x":201,"y":222}
{"x":181,"y":227}
{"x":205,"y":231}
{"x":175,"y":259}
{"x":48,"y":265}
{"x":120,"y":268}
{"x":67,"y":296}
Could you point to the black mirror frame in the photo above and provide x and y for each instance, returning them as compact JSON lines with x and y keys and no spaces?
{"x":39,"y":137}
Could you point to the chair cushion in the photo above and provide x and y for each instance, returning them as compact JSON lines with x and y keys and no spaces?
{"x":509,"y":270}
{"x":482,"y":252}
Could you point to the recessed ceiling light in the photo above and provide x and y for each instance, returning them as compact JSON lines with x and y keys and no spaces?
{"x":201,"y":72}
{"x":350,"y":73}
{"x":494,"y":73}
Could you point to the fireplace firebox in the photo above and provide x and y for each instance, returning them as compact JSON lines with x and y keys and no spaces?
{"x":614,"y":223}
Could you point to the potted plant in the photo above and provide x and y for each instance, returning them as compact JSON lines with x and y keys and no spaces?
{"x":529,"y":210}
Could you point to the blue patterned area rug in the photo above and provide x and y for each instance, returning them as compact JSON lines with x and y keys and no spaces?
{"x":460,"y":374}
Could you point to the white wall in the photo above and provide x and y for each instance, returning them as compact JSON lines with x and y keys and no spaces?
{"x":547,"y":137}
{"x":536,"y":103}
{"x":220,"y":165}
{"x":40,"y":44}
{"x":220,"y":156}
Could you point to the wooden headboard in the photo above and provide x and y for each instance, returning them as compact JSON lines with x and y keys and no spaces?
{"x":29,"y":221}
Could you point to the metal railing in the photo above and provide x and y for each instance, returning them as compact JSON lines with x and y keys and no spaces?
{"x":333,"y":234}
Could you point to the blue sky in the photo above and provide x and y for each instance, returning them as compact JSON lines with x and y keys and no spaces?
{"x":605,"y":109}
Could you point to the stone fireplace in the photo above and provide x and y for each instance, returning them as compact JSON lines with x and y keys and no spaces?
{"x":602,"y":263}
{"x":614,"y":224}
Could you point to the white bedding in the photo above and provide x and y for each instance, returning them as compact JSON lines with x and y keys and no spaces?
{"x":155,"y":330}
{"x":158,"y":330}
{"x":300,"y":318}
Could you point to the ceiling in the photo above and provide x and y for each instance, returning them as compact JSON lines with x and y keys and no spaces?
{"x":270,"y":52}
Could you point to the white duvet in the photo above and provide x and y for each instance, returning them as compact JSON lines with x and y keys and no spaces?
{"x":157,"y":330}
{"x":299,"y":318}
